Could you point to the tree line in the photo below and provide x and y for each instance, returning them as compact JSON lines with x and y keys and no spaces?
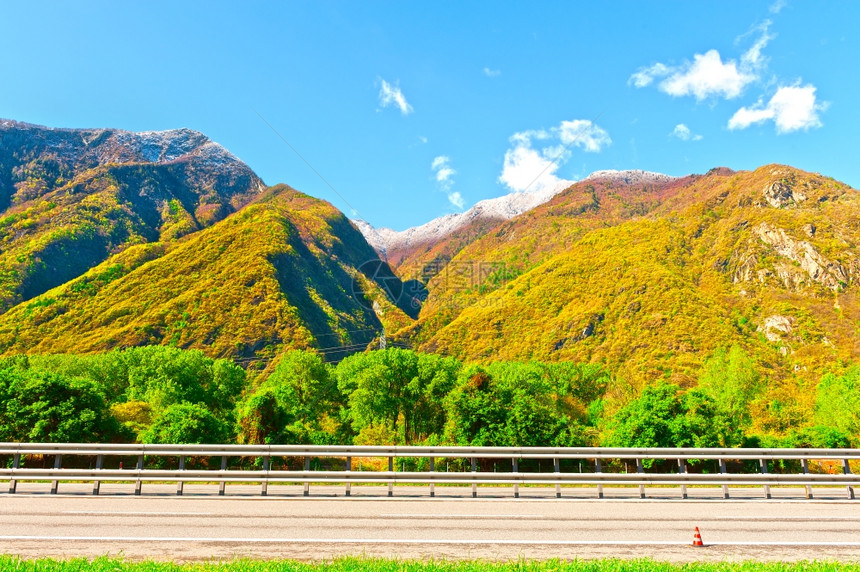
{"x":159,"y":394}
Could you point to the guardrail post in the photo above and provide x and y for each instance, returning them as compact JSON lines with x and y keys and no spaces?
{"x":557,"y":468}
{"x":223,"y":484}
{"x":264,"y":486}
{"x":307,"y":490}
{"x":474,"y":484}
{"x":180,"y":485}
{"x":432,"y":484}
{"x":846,"y":468}
{"x":516,"y":485}
{"x":682,"y":468}
{"x":13,"y":484}
{"x":805,"y":464}
{"x":139,"y":484}
{"x":348,"y":470}
{"x":58,"y":463}
{"x":598,"y":468}
{"x":99,"y":463}
{"x":640,"y":469}
{"x":391,"y":470}
{"x":763,"y":464}
{"x":724,"y":470}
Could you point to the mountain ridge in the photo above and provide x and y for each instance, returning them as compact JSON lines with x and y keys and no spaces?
{"x":394,"y":245}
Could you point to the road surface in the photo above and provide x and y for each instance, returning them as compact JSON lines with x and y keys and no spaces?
{"x":201,"y":525}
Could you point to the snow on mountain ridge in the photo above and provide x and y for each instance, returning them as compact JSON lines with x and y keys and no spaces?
{"x":631,"y":176}
{"x":503,"y":208}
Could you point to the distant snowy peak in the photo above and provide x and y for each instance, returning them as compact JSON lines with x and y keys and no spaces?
{"x":631,"y":177}
{"x":386,"y":240}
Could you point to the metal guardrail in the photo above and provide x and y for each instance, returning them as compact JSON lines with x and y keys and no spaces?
{"x":762,"y":457}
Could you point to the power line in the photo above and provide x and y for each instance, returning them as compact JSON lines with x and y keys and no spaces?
{"x":354,"y":210}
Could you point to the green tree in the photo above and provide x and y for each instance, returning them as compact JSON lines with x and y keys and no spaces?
{"x":401,"y":390}
{"x":732,"y":379}
{"x":837,"y":401}
{"x":375,"y":386}
{"x":664,"y":416}
{"x":41,"y":406}
{"x":188,"y":423}
{"x":297,"y":403}
{"x":262,"y":419}
{"x":510,"y":404}
{"x":306,"y":383}
{"x":163,"y":376}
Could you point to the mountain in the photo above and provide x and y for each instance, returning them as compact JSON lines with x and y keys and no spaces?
{"x":651,"y":278}
{"x":70,"y":198}
{"x":284,"y":272}
{"x":112,"y":239}
{"x":394,"y":245}
{"x":419,"y":252}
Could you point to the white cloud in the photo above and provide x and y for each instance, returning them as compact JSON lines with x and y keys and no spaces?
{"x":440,"y":161}
{"x":645,"y":76}
{"x":777,"y":6}
{"x":791,"y":108}
{"x":584,"y":134}
{"x":444,"y":174}
{"x":683,"y":133}
{"x":752,"y":59}
{"x":391,"y":95}
{"x":529,"y":169}
{"x":708,"y":75}
{"x":457,"y":200}
{"x":492,"y":73}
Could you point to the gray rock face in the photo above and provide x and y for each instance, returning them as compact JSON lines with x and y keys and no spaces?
{"x":775,"y":327}
{"x":780,"y":195}
{"x":205,"y":165}
{"x":818,"y":268}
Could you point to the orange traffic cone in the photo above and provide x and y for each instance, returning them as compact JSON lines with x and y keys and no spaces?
{"x":697,"y":538}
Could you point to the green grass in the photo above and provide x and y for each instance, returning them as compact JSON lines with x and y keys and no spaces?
{"x":383,"y":565}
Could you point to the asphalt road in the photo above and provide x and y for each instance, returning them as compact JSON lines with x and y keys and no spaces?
{"x":201,"y":525}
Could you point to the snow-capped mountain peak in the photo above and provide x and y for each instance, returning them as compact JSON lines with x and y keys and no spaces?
{"x":631,"y":176}
{"x":502,"y":208}
{"x":386,"y":240}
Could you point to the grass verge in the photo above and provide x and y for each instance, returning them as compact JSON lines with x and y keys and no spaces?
{"x":385,"y":565}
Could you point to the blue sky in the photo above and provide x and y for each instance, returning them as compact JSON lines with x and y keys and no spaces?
{"x":413,"y":110}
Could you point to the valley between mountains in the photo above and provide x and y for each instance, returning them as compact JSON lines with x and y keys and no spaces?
{"x":111,"y":240}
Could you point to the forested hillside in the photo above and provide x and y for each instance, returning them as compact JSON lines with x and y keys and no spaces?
{"x":651,"y":280}
{"x":281,"y":273}
{"x":117,"y":239}
{"x":70,"y":198}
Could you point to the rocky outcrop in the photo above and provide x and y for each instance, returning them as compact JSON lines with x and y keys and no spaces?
{"x":780,"y":195}
{"x":775,"y":327}
{"x":817,"y":268}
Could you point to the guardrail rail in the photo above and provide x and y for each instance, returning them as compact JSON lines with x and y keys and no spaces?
{"x":263,"y":473}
